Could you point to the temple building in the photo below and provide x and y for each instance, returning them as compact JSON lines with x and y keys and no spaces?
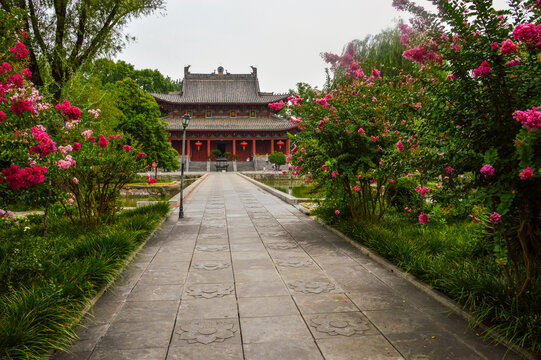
{"x":228,"y":112}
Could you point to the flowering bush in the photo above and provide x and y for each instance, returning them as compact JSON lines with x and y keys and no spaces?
{"x":35,"y":165}
{"x":485,"y":93}
{"x":357,"y":137}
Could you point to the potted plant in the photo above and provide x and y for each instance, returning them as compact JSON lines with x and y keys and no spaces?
{"x":215,"y":153}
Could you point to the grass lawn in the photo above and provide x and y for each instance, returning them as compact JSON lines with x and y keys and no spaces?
{"x":454,"y":259}
{"x":44,"y":285}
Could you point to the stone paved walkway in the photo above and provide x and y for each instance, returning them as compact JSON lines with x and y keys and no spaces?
{"x":246,"y":276}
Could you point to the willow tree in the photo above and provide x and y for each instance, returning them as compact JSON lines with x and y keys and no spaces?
{"x":65,"y":34}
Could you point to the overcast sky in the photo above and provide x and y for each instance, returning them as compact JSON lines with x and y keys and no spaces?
{"x":283,"y":39}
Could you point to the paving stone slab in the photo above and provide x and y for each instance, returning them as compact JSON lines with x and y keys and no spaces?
{"x":206,"y":352}
{"x":298,"y":350}
{"x":136,"y":335}
{"x":260,"y":288}
{"x":153,"y":292}
{"x":324,"y":303}
{"x":212,"y":308}
{"x":290,"y":328}
{"x":142,"y":311}
{"x":374,"y":347}
{"x":267,"y":306}
{"x":205,"y":332}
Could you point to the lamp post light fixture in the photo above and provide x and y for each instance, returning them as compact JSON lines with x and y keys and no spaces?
{"x":185,"y":122}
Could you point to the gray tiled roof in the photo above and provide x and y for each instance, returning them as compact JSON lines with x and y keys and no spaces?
{"x":219,"y":89}
{"x":263,"y":123}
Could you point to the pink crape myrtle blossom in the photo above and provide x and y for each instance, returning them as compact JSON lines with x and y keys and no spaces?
{"x":76,"y":146}
{"x":94,"y":112}
{"x":141,"y":155}
{"x":360,"y":131}
{"x":449,"y":170}
{"x":451,"y":77}
{"x":357,"y":188}
{"x":294,"y":150}
{"x":324,"y":167}
{"x":422,"y":190}
{"x":400,"y":146}
{"x":2,"y":117}
{"x":529,"y":34}
{"x":495,"y":218}
{"x":87,"y":134}
{"x":66,"y":163}
{"x":495,"y":46}
{"x":508,"y":47}
{"x":19,"y":106}
{"x":335,"y":174}
{"x":75,"y":180}
{"x":526,"y":173}
{"x":487,"y":170}
{"x":482,"y":70}
{"x":531,"y":119}
{"x":337,"y":212}
{"x":45,"y":145}
{"x":277,"y":105}
{"x":127,"y":147}
{"x":65,"y":149}
{"x":514,"y":62}
{"x":423,"y":218}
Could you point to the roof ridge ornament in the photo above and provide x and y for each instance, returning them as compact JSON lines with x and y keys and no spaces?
{"x":186,"y":70}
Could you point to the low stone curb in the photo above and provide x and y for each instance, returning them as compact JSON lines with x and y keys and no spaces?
{"x":436,"y":295}
{"x":174,"y":201}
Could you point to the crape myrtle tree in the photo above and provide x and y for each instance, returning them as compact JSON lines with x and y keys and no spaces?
{"x":66,"y":34}
{"x":481,"y":68}
{"x":47,"y":152}
{"x":358,"y":137}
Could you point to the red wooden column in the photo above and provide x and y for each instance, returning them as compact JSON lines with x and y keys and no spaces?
{"x":234,"y":147}
{"x":288,"y":147}
{"x":253,"y":148}
{"x":208,"y":147}
{"x":272,"y":146}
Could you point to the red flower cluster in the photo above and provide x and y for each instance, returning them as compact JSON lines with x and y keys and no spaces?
{"x":44,"y":145}
{"x":2,"y":116}
{"x":22,"y":105}
{"x":72,"y":112}
{"x":19,"y":50}
{"x":277,"y":105}
{"x":16,"y":80}
{"x":17,"y":178}
{"x":76,"y":146}
{"x":103,"y":142}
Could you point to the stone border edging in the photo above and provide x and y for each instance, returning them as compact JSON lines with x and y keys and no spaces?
{"x":174,"y":200}
{"x":433,"y":293}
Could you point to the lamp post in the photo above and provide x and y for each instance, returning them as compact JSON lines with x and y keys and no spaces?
{"x":185,"y":122}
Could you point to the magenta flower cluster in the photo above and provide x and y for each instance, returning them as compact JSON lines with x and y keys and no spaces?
{"x":529,"y":34}
{"x":495,"y":218}
{"x":19,"y":50}
{"x":526,"y":173}
{"x":44,"y":145}
{"x":482,"y":70}
{"x":17,"y":178}
{"x":423,"y":218}
{"x":487,"y":170}
{"x":531,"y":119}
{"x":72,"y":112}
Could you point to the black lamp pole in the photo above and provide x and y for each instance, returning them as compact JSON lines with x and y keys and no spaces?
{"x":185,"y":121}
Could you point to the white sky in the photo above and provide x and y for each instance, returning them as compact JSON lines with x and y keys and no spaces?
{"x":283,"y":39}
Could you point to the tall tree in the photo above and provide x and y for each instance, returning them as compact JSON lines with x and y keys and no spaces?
{"x":65,"y":34}
{"x":149,"y":80}
{"x":142,"y":120}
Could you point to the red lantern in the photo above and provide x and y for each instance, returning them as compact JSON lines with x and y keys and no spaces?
{"x":243,"y":144}
{"x":280,"y":143}
{"x":198,"y":144}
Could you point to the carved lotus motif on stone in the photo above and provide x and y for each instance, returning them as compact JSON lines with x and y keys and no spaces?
{"x":206,"y":331}
{"x":211,"y":247}
{"x":211,"y":265}
{"x":337,"y":325}
{"x":281,"y":246}
{"x":312,"y":287}
{"x":208,"y":291}
{"x":293,"y":262}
